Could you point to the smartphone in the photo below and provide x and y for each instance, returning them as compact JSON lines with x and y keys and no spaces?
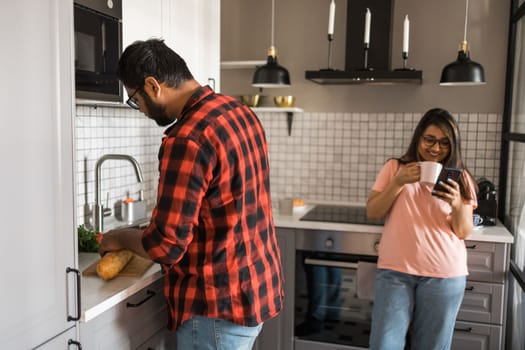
{"x":445,"y":174}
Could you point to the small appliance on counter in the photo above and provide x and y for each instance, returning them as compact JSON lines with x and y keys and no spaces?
{"x":487,"y":204}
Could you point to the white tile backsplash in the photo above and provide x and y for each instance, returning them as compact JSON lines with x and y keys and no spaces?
{"x":340,"y":153}
{"x":328,"y":156}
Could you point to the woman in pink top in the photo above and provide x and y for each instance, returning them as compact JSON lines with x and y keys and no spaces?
{"x":422,"y":263}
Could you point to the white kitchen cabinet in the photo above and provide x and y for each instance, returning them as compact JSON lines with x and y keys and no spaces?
{"x":477,"y":336}
{"x":192,"y":29}
{"x":36,"y":150}
{"x":481,"y":319}
{"x":62,"y":341}
{"x":141,"y":20}
{"x":129,"y":324}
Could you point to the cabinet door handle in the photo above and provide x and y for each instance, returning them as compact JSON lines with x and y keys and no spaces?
{"x":74,"y":342}
{"x":211,"y":81}
{"x":471,"y":246}
{"x":471,"y":288}
{"x":71,"y":318}
{"x":150,"y":294}
{"x":467,"y":330}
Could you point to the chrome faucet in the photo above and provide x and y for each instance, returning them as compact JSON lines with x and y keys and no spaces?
{"x":98,"y":210}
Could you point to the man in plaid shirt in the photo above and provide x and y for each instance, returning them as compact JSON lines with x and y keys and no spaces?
{"x":212,"y":228}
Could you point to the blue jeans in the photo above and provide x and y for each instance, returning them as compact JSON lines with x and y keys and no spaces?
{"x":202,"y":333}
{"x":424,"y":309}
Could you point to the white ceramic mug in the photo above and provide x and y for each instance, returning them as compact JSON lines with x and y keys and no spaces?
{"x":477,"y":219}
{"x":429,"y":171}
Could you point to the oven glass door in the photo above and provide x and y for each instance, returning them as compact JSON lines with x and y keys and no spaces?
{"x":327,"y":307}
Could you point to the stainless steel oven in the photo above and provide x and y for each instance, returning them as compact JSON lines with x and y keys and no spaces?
{"x":332,"y":310}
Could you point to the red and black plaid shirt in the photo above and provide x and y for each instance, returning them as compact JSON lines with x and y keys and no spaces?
{"x":212,"y":228}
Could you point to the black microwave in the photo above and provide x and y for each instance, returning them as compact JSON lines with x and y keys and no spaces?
{"x":98,"y":44}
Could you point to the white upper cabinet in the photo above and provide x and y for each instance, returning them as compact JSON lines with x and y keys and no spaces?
{"x":141,"y":20}
{"x":36,"y":151}
{"x":190,"y":27}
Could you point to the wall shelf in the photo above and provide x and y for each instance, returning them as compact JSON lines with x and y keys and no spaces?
{"x":254,"y":64}
{"x":288,"y":110}
{"x":241,"y":64}
{"x":277,"y":109}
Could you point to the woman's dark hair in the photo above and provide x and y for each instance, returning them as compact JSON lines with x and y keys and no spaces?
{"x":151,"y":58}
{"x":448,"y":125}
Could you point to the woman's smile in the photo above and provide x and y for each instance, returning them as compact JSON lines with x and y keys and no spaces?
{"x":434,"y":145}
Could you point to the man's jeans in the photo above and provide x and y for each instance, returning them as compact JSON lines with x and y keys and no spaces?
{"x":424,"y":307}
{"x":202,"y":333}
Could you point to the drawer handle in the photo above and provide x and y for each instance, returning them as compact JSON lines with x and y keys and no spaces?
{"x":150,"y":294}
{"x":74,"y":342}
{"x":470,"y":288}
{"x":471,"y":246}
{"x":467,"y":330}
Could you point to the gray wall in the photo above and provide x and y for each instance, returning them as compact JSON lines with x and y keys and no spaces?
{"x":435,"y":33}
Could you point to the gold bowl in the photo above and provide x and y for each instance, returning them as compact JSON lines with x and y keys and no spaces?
{"x":284,"y":101}
{"x":251,"y":100}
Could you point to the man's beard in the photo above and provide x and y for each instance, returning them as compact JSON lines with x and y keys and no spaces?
{"x":157,"y":112}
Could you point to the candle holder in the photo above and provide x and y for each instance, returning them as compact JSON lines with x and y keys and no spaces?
{"x":330,"y":39}
{"x":405,"y":59}
{"x":365,"y":65}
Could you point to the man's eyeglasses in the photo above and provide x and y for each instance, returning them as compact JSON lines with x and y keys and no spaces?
{"x":132,"y":102}
{"x":430,"y":141}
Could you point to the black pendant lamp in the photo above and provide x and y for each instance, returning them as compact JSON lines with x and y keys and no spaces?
{"x":271,"y":75}
{"x":463,"y":71}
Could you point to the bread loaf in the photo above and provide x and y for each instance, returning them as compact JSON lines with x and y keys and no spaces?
{"x":112,"y":263}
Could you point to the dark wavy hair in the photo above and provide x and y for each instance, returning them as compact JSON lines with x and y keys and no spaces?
{"x":151,"y":58}
{"x":448,"y":125}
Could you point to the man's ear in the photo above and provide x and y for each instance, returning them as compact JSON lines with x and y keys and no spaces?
{"x":152,"y":87}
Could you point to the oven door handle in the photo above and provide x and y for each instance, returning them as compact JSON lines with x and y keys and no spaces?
{"x":320,"y":262}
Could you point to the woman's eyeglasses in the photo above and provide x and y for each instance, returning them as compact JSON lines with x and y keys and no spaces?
{"x":430,"y":141}
{"x":132,"y":102}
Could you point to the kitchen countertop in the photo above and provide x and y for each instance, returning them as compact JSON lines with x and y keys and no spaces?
{"x":99,"y":296}
{"x":495,"y":234}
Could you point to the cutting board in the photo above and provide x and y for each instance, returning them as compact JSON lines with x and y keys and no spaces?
{"x":136,"y":267}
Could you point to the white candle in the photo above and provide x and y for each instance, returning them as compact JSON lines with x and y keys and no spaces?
{"x":331,"y":18}
{"x":368,"y":18}
{"x":406,"y":31}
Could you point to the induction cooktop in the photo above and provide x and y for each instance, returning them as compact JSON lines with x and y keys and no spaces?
{"x":340,"y":213}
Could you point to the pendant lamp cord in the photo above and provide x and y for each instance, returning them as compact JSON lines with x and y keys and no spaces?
{"x":273,"y":22}
{"x":466,"y":19}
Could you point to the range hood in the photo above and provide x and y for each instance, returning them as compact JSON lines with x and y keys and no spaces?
{"x":385,"y":77}
{"x":379,"y":70}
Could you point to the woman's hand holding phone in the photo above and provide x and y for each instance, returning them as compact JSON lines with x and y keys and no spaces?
{"x":447,"y":185}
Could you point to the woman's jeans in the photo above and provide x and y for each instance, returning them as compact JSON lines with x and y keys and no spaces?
{"x":202,"y":333}
{"x":424,"y":309}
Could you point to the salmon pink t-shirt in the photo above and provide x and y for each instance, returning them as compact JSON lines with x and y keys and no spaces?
{"x":417,"y":238}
